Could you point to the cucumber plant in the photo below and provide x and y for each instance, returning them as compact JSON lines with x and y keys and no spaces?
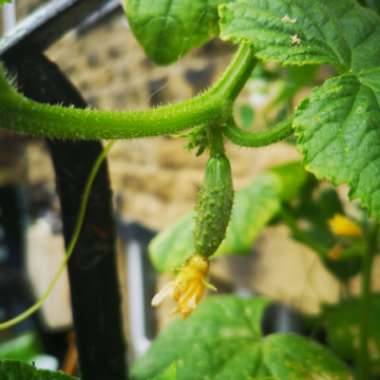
{"x":335,"y":129}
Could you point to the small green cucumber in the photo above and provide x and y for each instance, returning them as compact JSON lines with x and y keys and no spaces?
{"x":214,"y":204}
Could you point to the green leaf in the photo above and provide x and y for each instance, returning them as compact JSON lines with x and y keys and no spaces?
{"x":338,"y":134}
{"x":297,"y":32}
{"x":342,"y":322}
{"x":291,"y":357}
{"x":169,"y":374}
{"x":24,"y":347}
{"x":167,"y":29}
{"x":337,"y":127}
{"x":350,"y":262}
{"x":13,"y":370}
{"x":373,"y":4}
{"x":174,"y":245}
{"x":253,"y":209}
{"x":291,"y":177}
{"x":246,"y":115}
{"x":222,"y":340}
{"x":220,"y":329}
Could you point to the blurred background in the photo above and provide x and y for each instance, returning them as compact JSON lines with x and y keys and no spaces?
{"x":154,"y":182}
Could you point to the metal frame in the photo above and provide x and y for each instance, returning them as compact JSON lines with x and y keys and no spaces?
{"x":92,"y":270}
{"x":50,"y":22}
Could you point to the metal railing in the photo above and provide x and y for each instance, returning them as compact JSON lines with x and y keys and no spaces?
{"x":95,"y":292}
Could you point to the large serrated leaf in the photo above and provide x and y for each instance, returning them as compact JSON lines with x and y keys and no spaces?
{"x":337,"y":127}
{"x":167,"y":29}
{"x":222,"y":341}
{"x":13,"y":370}
{"x":338,"y":134}
{"x":253,"y":208}
{"x":219,"y":330}
{"x":299,"y":32}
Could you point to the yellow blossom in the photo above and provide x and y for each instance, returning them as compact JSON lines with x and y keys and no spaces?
{"x":188,"y":287}
{"x":344,"y":227}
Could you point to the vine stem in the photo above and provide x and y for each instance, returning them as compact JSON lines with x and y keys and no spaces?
{"x":365,"y":312}
{"x":213,"y":106}
{"x":257,"y":139}
{"x":70,"y":249}
{"x":216,"y":141}
{"x":237,"y":73}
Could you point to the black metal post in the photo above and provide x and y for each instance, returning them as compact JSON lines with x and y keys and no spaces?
{"x":92,"y":269}
{"x":50,"y":22}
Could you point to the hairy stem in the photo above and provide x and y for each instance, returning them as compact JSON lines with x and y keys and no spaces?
{"x":364,"y":363}
{"x":257,"y":139}
{"x":26,"y":116}
{"x":216,"y":141}
{"x":237,"y":74}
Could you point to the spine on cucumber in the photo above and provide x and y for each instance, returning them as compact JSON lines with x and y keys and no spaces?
{"x":214,"y":205}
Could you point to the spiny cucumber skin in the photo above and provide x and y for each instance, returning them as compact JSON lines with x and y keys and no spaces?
{"x":214,"y":205}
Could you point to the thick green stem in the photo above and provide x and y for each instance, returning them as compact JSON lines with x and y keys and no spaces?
{"x":237,"y":74}
{"x":26,"y":116}
{"x":364,"y":361}
{"x":216,"y":141}
{"x":71,"y":123}
{"x":257,"y":139}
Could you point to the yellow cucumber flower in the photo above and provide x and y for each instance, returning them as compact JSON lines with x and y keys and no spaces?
{"x":342,"y":226}
{"x":188,"y":287}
